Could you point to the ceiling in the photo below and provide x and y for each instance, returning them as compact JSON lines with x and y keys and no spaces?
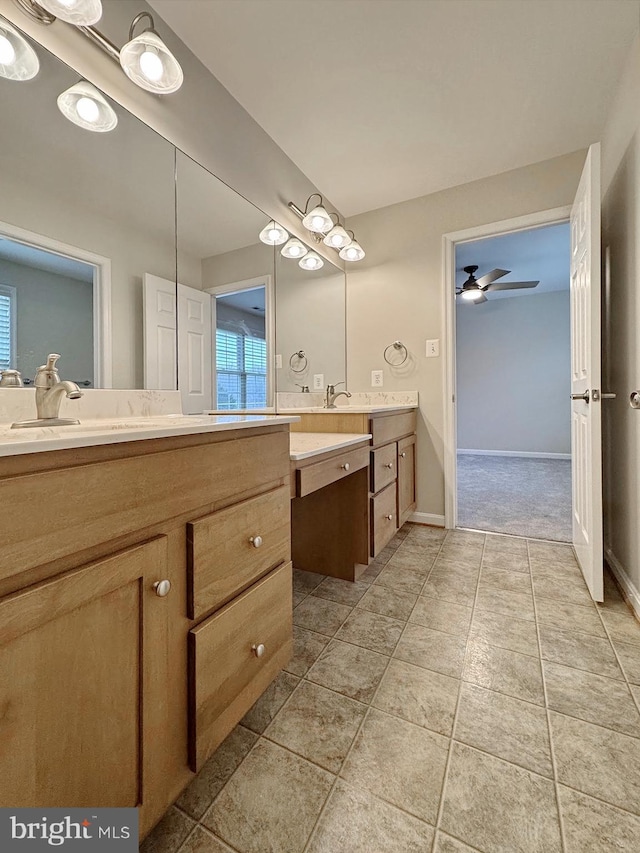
{"x":537,"y":254}
{"x":378,"y":102}
{"x":30,"y":256}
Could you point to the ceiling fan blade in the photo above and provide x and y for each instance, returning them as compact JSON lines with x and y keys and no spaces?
{"x":490,"y":277}
{"x":512,"y":285}
{"x":480,"y":300}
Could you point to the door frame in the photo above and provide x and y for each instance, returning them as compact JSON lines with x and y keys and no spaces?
{"x":449,"y":242}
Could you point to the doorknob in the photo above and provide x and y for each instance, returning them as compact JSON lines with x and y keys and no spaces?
{"x":634,"y":399}
{"x":584,"y":397}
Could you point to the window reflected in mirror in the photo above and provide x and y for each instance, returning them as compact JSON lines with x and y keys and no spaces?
{"x":241,"y":349}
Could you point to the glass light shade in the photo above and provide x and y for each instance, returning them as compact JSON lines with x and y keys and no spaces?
{"x":273,"y":234}
{"x":471,"y":294}
{"x":337,"y":238}
{"x":81,"y":13}
{"x":293,"y":248}
{"x":85,"y":106}
{"x":150,"y":64}
{"x":318,"y":220}
{"x":352,"y":252}
{"x":18,"y":60}
{"x":311,"y":261}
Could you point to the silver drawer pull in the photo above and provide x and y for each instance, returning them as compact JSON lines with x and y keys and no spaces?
{"x":162,"y":588}
{"x":389,"y":517}
{"x":256,"y":541}
{"x":403,"y":455}
{"x":346,"y":466}
{"x":389,"y":465}
{"x":258,"y":649}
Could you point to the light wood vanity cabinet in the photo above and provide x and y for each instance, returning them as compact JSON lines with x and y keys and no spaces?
{"x":112,"y":686}
{"x":406,"y":478}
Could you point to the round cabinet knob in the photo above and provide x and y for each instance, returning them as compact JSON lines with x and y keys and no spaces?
{"x":389,"y":465}
{"x":403,"y":455}
{"x":258,"y":649}
{"x":634,"y":400}
{"x":162,"y":588}
{"x":389,"y":517}
{"x":256,"y":541}
{"x":346,"y":466}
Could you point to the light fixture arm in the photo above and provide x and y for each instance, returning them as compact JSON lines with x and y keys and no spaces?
{"x":33,"y":10}
{"x":137,"y":20}
{"x":102,"y":42}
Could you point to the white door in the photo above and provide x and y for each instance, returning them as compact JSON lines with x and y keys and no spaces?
{"x":160,"y":324}
{"x":586,"y":431}
{"x":194,"y":349}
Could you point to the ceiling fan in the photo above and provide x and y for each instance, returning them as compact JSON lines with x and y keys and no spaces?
{"x":474,"y":289}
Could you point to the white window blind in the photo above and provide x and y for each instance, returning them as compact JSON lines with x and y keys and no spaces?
{"x":7,"y":326}
{"x":241,"y":371}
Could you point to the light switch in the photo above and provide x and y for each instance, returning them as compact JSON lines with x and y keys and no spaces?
{"x":318,"y":381}
{"x":433,"y":349}
{"x":376,"y":379}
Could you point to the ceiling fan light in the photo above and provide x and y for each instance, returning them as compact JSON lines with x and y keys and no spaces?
{"x":293,"y":248}
{"x":471,"y":294}
{"x":311,"y":261}
{"x":18,"y":60}
{"x":337,"y":238}
{"x":87,"y":107}
{"x":352,"y":252}
{"x":318,"y":220}
{"x":148,"y":62}
{"x":273,"y":234}
{"x":80,"y":13}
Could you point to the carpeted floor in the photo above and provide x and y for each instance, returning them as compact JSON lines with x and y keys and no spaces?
{"x":511,"y":494}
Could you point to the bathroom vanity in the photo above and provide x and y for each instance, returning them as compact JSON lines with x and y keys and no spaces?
{"x":145,"y":603}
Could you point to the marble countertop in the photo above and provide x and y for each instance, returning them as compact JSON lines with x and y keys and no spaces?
{"x":356,"y":410}
{"x":303,"y":445}
{"x":116,"y":431}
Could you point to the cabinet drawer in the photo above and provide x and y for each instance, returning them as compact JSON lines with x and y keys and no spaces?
{"x":383,"y":466}
{"x":222,"y":557}
{"x":391,"y":427}
{"x":315,"y":477}
{"x":383,"y":518}
{"x":226,"y":676}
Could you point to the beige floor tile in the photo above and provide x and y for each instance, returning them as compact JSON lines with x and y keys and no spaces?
{"x":418,"y":558}
{"x":635,"y":690}
{"x":169,"y":834}
{"x":495,"y":544}
{"x":344,"y":592}
{"x":348,"y":669}
{"x":460,"y":555}
{"x":271,"y":803}
{"x":566,"y":573}
{"x":508,"y":728}
{"x":305,"y":582}
{"x":581,"y":651}
{"x":432,"y":650}
{"x":517,"y":604}
{"x":468,"y":538}
{"x":518,"y":635}
{"x":560,"y":590}
{"x":501,"y":579}
{"x":418,"y":695}
{"x":258,"y":718}
{"x":570,"y":617}
{"x":307,"y":646}
{"x":320,"y":615}
{"x":355,"y":821}
{"x":497,"y":807}
{"x":202,"y":841}
{"x":422,"y":532}
{"x":298,"y":597}
{"x":591,"y":826}
{"x":447,"y":844}
{"x":506,"y":562}
{"x":372,"y":631}
{"x":597,"y":761}
{"x":630,"y":659}
{"x":450,"y":587}
{"x":202,"y":790}
{"x":622,"y":627}
{"x":442,"y":615}
{"x":399,"y":762}
{"x":402,"y":578}
{"x":504,"y":671}
{"x":388,"y":602}
{"x":318,"y":724}
{"x":551,"y":552}
{"x":613,"y":598}
{"x":592,"y":698}
{"x":372,"y":572}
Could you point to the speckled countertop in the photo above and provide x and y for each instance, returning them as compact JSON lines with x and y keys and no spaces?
{"x":306,"y":444}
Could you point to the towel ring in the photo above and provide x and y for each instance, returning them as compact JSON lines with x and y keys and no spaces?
{"x":396,"y":345}
{"x":301,"y":357}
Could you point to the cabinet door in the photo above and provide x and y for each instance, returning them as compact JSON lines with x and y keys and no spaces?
{"x":71,"y":683}
{"x":406,"y":478}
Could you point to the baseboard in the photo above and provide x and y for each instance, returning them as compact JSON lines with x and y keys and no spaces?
{"x":631,"y":593}
{"x":526,"y":454}
{"x":427,"y":518}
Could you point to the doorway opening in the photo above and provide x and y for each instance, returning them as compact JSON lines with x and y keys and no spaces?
{"x":509,"y":374}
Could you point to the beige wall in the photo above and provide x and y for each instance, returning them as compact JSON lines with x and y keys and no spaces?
{"x":621,"y":374}
{"x":396,"y":292}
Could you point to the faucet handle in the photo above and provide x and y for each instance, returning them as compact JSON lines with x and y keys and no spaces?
{"x":47,"y":374}
{"x":51,"y":361}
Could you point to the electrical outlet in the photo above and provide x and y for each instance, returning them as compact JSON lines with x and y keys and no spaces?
{"x":376,"y":379}
{"x":278,"y":362}
{"x":318,"y":381}
{"x":433,"y":349}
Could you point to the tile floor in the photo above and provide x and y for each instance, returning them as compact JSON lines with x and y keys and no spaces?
{"x":465,"y":695}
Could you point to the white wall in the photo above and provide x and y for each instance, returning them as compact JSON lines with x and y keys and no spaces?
{"x":621,"y":374}
{"x":513,"y":365}
{"x":396,"y":292}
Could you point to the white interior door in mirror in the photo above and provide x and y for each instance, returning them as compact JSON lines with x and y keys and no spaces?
{"x":160,"y":326}
{"x":194,"y":350}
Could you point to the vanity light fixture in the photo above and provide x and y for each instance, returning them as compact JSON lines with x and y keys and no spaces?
{"x":273,"y":234}
{"x":353,"y":251}
{"x":147,"y":60}
{"x":18,"y":60}
{"x":317,"y":219}
{"x":324,"y":230}
{"x":293,"y":248}
{"x":85,"y":106}
{"x":80,"y":13}
{"x":337,"y":238}
{"x":311,"y":261}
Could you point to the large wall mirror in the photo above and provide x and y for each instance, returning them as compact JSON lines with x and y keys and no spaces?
{"x":84,"y":216}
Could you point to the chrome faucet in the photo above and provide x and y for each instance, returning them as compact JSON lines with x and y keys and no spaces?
{"x":49,"y":391}
{"x":331,"y":397}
